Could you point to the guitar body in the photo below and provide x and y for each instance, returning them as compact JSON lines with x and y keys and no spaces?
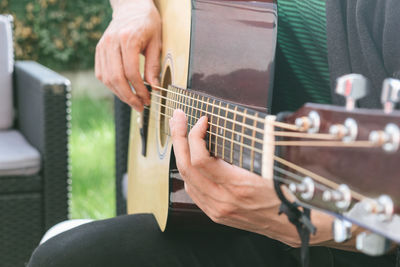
{"x":220,"y":48}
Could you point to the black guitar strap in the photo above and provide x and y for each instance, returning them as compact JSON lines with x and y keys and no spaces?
{"x":300,"y":219}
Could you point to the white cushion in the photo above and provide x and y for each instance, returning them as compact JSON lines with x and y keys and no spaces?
{"x":62,"y":227}
{"x":17,"y":156}
{"x":6,"y":70}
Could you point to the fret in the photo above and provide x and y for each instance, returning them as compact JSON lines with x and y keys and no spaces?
{"x":217,"y":131}
{"x":259,"y":146}
{"x":253,"y":143}
{"x":185,"y":102}
{"x":199,"y":104}
{"x":233,"y":132}
{"x":183,"y":97}
{"x":179,"y":104}
{"x":247,"y":139}
{"x":188,"y":109}
{"x":222,"y":129}
{"x":241,"y":138}
{"x":175,"y":100}
{"x":193,"y":110}
{"x":212,"y":118}
{"x":203,"y":107}
{"x":228,"y":126}
{"x":208,"y":114}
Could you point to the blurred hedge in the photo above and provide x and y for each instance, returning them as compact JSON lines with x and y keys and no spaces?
{"x":61,"y":34}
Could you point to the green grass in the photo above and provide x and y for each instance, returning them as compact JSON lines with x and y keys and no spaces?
{"x":92,"y":158}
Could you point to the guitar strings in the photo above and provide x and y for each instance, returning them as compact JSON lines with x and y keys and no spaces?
{"x":202,"y":101}
{"x":323,"y":182}
{"x":279,"y":125}
{"x":276,"y":133}
{"x":276,"y":123}
{"x":258,"y":141}
{"x":186,"y":105}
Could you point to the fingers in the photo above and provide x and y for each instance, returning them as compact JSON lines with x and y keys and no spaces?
{"x":117,"y":77}
{"x":197,"y":143}
{"x":178,"y":125}
{"x":152,"y":64}
{"x":216,"y":169}
{"x":181,"y":147}
{"x":130,"y":49}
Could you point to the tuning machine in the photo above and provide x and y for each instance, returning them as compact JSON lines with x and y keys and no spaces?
{"x":390,"y":94}
{"x":341,"y":230}
{"x":306,"y":188}
{"x":352,"y":87}
{"x":372,"y":244}
{"x":383,"y":207}
{"x":389,"y":138}
{"x":310,"y":123}
{"x":347,"y":131}
{"x":341,"y":196}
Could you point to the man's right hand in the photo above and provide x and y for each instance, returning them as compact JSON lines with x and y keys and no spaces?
{"x":134,"y":29}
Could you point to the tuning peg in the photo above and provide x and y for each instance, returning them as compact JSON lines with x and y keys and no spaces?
{"x":341,"y":196}
{"x":389,"y":138}
{"x":310,"y":123}
{"x":341,"y":230}
{"x":347,"y":131}
{"x":390,"y":94}
{"x":352,"y":87}
{"x":383,"y":207}
{"x":372,"y":244}
{"x":306,"y":188}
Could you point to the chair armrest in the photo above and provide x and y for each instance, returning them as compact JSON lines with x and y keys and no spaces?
{"x":43,"y":106}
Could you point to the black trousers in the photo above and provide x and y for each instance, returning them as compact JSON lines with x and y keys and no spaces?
{"x":135,"y":240}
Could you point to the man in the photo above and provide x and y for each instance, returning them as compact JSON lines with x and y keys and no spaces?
{"x":244,"y":200}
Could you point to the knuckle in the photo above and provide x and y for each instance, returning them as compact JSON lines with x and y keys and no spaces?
{"x":188,"y":188}
{"x":107,"y":82}
{"x":99,"y":76}
{"x":130,"y":74}
{"x":243,"y":192}
{"x":117,"y":79}
{"x":199,"y":162}
{"x":124,"y":35}
{"x":184,"y":171}
{"x":223,"y":211}
{"x":108,"y":37}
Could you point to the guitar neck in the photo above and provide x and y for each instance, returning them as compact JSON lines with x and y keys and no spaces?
{"x":235,"y":133}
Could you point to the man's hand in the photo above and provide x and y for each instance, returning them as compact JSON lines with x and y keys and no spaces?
{"x":134,"y":29}
{"x":230,"y":195}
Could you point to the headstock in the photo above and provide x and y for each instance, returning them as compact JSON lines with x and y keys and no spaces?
{"x":351,"y":163}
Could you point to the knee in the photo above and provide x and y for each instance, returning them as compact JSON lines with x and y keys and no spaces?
{"x":41,"y":257}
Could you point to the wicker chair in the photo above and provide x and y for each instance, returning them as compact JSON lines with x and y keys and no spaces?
{"x":122,"y":125}
{"x":31,"y":203}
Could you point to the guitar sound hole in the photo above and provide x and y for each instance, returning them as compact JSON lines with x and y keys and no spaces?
{"x":165,"y":113}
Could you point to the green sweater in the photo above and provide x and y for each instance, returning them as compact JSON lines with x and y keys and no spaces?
{"x":301,"y":71}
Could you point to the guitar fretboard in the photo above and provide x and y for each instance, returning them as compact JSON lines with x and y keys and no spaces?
{"x":235,"y":133}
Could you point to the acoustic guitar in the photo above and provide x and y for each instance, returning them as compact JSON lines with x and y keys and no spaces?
{"x":206,"y":47}
{"x":342,"y":160}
